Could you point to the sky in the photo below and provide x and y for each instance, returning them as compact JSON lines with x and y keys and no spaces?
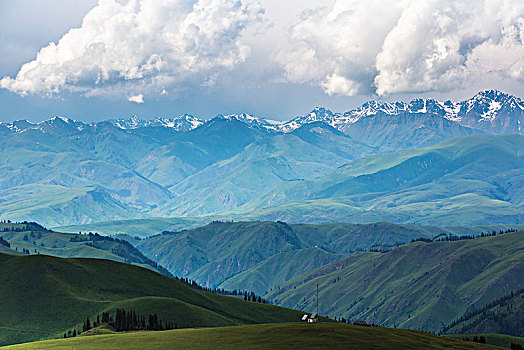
{"x":94,"y":60}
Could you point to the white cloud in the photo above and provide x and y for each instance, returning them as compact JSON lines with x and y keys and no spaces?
{"x":345,"y":47}
{"x":393,"y":46}
{"x":141,"y":45}
{"x":136,"y":98}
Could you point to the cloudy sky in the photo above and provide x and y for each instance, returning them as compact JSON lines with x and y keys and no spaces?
{"x":93,"y":60}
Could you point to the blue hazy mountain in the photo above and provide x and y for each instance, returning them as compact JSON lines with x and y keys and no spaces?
{"x":322,"y":166}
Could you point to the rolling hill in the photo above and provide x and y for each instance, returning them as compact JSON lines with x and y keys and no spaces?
{"x":259,"y":255}
{"x":418,"y":285}
{"x":43,"y":296}
{"x":35,"y":239}
{"x":471,"y":180}
{"x":273,"y":336}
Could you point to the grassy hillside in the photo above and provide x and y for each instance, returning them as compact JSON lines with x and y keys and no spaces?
{"x":38,"y":240}
{"x":217,"y":252}
{"x":59,"y":174}
{"x":501,"y":340}
{"x":267,"y":336}
{"x":43,"y":296}
{"x":468,"y":180}
{"x":418,"y":285}
{"x":259,"y":255}
{"x":313,"y":150}
{"x":279,"y":268}
{"x":504,"y":316}
{"x":139,"y":227}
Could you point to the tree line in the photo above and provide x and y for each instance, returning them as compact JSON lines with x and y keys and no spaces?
{"x":476,"y":339}
{"x":451,"y":238}
{"x":124,"y":321}
{"x":29,"y":225}
{"x":507,"y":325}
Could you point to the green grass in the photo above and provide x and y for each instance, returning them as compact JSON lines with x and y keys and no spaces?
{"x":44,"y":296}
{"x":461,"y":181}
{"x":70,"y":245}
{"x":260,"y":255}
{"x":102,"y":329}
{"x":418,"y":285}
{"x":138,"y":227}
{"x":503,"y":316}
{"x":501,"y":340}
{"x":266,"y":336}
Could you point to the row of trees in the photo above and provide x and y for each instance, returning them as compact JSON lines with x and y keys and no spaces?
{"x":125,"y":321}
{"x":28,"y":226}
{"x":130,"y":321}
{"x":252,"y":297}
{"x":451,"y":238}
{"x":476,"y":339}
{"x":489,"y":234}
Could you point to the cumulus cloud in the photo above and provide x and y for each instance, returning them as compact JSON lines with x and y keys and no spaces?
{"x":393,"y":46}
{"x":143,"y":46}
{"x":136,"y":98}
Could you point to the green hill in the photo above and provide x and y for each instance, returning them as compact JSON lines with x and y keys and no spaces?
{"x":503,"y":316}
{"x":267,"y":336}
{"x":259,"y":255}
{"x":35,"y":239}
{"x":279,"y":268}
{"x":139,"y":227}
{"x":43,"y":296}
{"x":418,"y":285}
{"x":501,"y":340}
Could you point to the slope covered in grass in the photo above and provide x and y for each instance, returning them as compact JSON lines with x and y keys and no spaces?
{"x":468,"y":180}
{"x":43,"y":296}
{"x":268,"y":253}
{"x":501,"y":340}
{"x":504,"y":316}
{"x":418,"y":285}
{"x":267,"y":336}
{"x":36,"y":239}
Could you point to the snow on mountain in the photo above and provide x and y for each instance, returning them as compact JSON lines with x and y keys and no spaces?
{"x":253,"y":121}
{"x":55,"y":125}
{"x":483,"y":111}
{"x":182,"y":123}
{"x":489,"y":110}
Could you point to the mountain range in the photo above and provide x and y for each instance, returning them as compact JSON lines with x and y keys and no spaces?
{"x":491,"y":110}
{"x":61,"y":171}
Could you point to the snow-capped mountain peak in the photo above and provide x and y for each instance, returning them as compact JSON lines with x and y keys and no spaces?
{"x":254,"y":121}
{"x":485,"y":106}
{"x":182,"y":123}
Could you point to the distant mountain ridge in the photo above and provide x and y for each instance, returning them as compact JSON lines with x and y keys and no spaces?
{"x":490,"y":110}
{"x":62,"y":172}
